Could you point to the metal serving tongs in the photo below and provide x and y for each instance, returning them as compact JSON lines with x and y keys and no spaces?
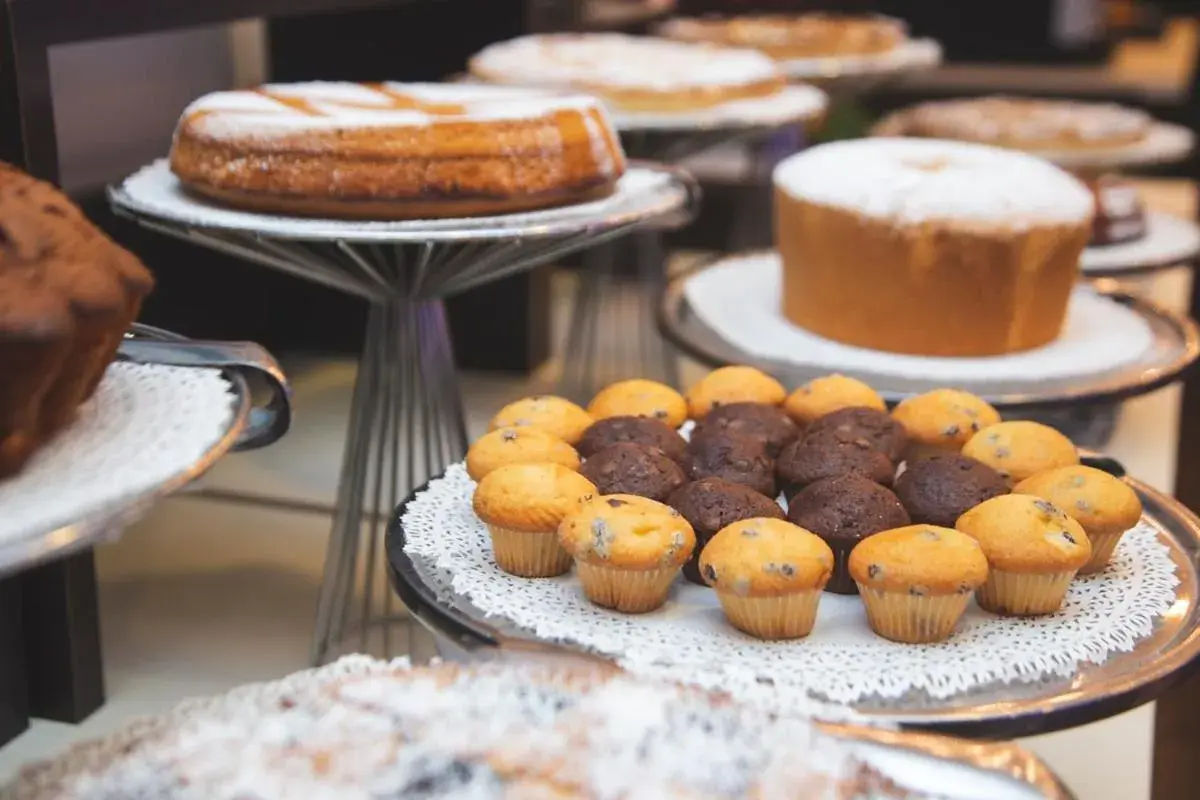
{"x":265,"y":424}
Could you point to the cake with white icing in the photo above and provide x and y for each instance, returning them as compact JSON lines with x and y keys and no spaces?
{"x":631,"y":73}
{"x":394,"y":150}
{"x":929,"y":247}
{"x":795,"y":36}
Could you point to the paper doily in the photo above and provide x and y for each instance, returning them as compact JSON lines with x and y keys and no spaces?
{"x":1168,"y":241}
{"x":739,"y":299}
{"x":792,"y":104}
{"x":841,"y":662}
{"x":145,"y":426}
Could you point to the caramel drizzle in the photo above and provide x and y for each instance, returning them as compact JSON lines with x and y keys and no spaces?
{"x":396,"y":101}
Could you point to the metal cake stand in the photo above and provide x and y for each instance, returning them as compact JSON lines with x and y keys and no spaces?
{"x":406,"y":417}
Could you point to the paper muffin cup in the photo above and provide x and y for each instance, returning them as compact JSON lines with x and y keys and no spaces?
{"x":529,"y":555}
{"x":1020,"y":594}
{"x":788,"y":616}
{"x":631,"y":591}
{"x":911,"y":618}
{"x":1103,"y":547}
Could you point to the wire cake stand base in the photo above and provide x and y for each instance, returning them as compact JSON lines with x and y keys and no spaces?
{"x":406,"y":418}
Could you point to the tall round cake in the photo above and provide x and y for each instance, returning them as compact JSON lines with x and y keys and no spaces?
{"x":794,"y":36}
{"x":929,"y":247}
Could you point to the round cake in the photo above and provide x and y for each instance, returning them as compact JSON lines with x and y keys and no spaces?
{"x":1120,"y":215}
{"x":929,"y":247}
{"x":632,"y":73}
{"x":1021,"y":123}
{"x":814,"y":35}
{"x":395,"y":150}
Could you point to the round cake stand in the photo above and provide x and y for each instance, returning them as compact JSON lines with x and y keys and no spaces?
{"x":406,"y":418}
{"x":1005,"y":711}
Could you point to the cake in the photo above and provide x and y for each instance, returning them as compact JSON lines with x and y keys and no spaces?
{"x":68,"y":294}
{"x":939,"y":489}
{"x":926,"y":247}
{"x":518,"y":446}
{"x":799,"y":36}
{"x":713,"y":453}
{"x":628,"y":468}
{"x":631,"y":73}
{"x":394,"y":150}
{"x":806,"y":461}
{"x":1120,"y":214}
{"x":764,"y":423}
{"x":709,"y":505}
{"x":639,"y":430}
{"x":868,"y":426}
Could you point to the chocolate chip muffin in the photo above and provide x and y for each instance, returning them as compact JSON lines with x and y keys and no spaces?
{"x":767,"y":424}
{"x":939,"y":489}
{"x":875,"y":428}
{"x":639,"y":430}
{"x":628,"y":468}
{"x":806,"y":461}
{"x":709,"y":505}
{"x":843,"y":511}
{"x":714,"y":453}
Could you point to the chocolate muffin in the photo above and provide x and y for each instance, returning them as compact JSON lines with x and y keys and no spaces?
{"x":714,"y":453}
{"x":843,"y":511}
{"x":875,"y":428}
{"x":806,"y":461}
{"x":767,"y":424}
{"x":709,"y":505}
{"x":939,"y":489}
{"x":628,"y":468}
{"x":639,"y":430}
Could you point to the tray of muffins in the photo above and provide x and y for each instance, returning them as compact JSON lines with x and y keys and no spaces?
{"x":935,"y":566}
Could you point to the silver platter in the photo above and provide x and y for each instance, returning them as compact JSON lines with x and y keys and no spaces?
{"x":1176,"y":346}
{"x":999,"y":711}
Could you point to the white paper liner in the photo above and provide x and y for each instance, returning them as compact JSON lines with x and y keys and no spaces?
{"x":1168,"y":241}
{"x":154,"y":190}
{"x":145,"y":425}
{"x":913,"y":54}
{"x":740,"y":299}
{"x":793,"y":104}
{"x":840,"y":661}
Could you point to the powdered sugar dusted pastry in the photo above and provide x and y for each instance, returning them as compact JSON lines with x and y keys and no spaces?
{"x":1020,"y":123}
{"x":929,"y":247}
{"x":394,"y":150}
{"x":631,"y":73}
{"x":798,"y":36}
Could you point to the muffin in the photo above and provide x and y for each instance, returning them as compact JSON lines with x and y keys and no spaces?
{"x":709,"y":505}
{"x":518,"y":446}
{"x":767,"y":424}
{"x":1104,"y":506}
{"x":804,"y":462}
{"x":916,"y":581}
{"x":522,"y":506}
{"x":640,"y":398}
{"x":627,"y":550}
{"x":733,"y":385}
{"x":822,"y":396}
{"x":843,"y":511}
{"x":1034,"y":550}
{"x":878,"y":430}
{"x":768,"y":575}
{"x":942,"y":421}
{"x":716,"y":454}
{"x":639,"y":430}
{"x":545,"y":412}
{"x":1021,"y":449}
{"x":939,"y":489}
{"x":628,"y":468}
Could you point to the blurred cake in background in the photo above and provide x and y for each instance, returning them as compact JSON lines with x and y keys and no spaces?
{"x":1120,"y":214}
{"x":797,"y":36}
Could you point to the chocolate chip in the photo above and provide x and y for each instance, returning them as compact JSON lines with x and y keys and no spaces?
{"x":710,"y":572}
{"x":660,"y":413}
{"x":965,"y":588}
{"x":918,"y":591}
{"x":1003,"y":452}
{"x":749,"y":533}
{"x":951,"y":430}
{"x":615,"y":502}
{"x":787,"y":570}
{"x":1067,"y":535}
{"x":509,"y":436}
{"x":1083,"y":505}
{"x":1047,"y":508}
{"x":874,"y":571}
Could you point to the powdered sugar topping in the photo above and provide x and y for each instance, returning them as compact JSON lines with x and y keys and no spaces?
{"x":910,"y":181}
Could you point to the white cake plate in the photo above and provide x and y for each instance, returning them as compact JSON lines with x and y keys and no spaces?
{"x":1169,"y":242}
{"x":795,"y":104}
{"x":861,"y":73}
{"x":1166,"y":143}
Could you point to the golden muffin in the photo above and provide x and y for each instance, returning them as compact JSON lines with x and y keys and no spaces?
{"x":916,"y":581}
{"x":733,"y":385}
{"x":640,"y":398}
{"x":942,"y":420}
{"x":522,"y":506}
{"x":545,"y":412}
{"x":1033,"y":550}
{"x":830,"y":393}
{"x":1020,"y":449}
{"x":518,"y":446}
{"x":628,"y":550}
{"x":1104,"y":506}
{"x":768,"y":575}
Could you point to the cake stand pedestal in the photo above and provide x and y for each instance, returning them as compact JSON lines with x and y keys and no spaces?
{"x":406,"y":418}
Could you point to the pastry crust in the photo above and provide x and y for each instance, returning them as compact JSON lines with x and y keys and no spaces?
{"x":395,"y":151}
{"x":785,"y":37}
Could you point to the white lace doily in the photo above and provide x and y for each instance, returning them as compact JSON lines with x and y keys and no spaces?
{"x":793,"y":104}
{"x":145,"y":426}
{"x":739,"y":299}
{"x":842,"y":661}
{"x":1168,"y":241}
